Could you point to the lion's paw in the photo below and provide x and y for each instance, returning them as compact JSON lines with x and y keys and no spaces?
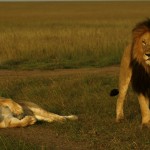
{"x":146,"y":125}
{"x":120,"y":118}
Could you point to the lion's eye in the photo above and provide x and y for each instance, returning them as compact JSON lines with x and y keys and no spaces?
{"x":143,"y":43}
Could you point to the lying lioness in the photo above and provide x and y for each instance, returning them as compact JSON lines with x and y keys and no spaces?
{"x":23,"y":114}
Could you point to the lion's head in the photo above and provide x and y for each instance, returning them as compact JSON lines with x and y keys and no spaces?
{"x":141,"y":43}
{"x":140,"y":58}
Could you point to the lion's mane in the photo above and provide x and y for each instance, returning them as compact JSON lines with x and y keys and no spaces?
{"x":140,"y":71}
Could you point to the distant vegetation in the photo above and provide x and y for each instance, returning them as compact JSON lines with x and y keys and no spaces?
{"x":49,"y":35}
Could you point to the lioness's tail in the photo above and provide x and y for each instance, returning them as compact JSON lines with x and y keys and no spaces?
{"x":114,"y":92}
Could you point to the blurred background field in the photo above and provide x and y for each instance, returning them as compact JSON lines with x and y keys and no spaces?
{"x":50,"y":35}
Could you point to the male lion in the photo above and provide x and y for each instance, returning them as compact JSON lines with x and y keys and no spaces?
{"x":135,"y":67}
{"x":22,"y":114}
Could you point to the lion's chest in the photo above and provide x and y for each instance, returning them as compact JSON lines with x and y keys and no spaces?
{"x":140,"y":80}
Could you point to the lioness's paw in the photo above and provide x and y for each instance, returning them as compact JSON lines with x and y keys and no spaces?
{"x":17,"y":109}
{"x":72,"y":117}
{"x":30,"y":120}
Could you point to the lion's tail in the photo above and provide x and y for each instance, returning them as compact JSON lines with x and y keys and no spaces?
{"x":114,"y":92}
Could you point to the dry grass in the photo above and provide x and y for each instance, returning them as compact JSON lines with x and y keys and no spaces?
{"x":66,"y":34}
{"x":80,"y":93}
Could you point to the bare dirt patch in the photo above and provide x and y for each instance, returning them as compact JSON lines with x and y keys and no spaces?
{"x":112,"y":70}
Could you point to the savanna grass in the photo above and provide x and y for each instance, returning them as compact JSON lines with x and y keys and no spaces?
{"x":15,"y":144}
{"x":86,"y":95}
{"x":49,"y":35}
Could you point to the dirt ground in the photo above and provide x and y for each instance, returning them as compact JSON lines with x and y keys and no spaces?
{"x":45,"y":136}
{"x":58,"y":72}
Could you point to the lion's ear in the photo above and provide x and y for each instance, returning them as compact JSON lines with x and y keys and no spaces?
{"x":138,"y":32}
{"x":114,"y":92}
{"x":140,"y":29}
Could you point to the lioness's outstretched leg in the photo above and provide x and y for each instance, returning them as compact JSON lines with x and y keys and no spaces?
{"x":14,"y":122}
{"x":144,"y":105}
{"x":27,"y":120}
{"x":124,"y":80}
{"x":41,"y":114}
{"x":13,"y":106}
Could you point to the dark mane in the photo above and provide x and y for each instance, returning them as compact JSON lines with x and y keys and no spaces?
{"x":140,"y":71}
{"x":140,"y":79}
{"x":141,"y":28}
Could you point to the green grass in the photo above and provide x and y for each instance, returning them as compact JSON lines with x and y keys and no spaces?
{"x":87,"y":96}
{"x":49,"y":35}
{"x":8,"y":143}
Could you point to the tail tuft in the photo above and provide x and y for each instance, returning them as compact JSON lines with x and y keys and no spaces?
{"x":114,"y":92}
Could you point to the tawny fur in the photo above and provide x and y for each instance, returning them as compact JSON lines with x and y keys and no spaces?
{"x":23,"y":114}
{"x":135,"y":68}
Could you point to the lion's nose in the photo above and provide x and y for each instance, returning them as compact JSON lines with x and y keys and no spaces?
{"x":148,"y":54}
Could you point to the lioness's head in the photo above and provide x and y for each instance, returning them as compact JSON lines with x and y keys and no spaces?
{"x":141,"y":42}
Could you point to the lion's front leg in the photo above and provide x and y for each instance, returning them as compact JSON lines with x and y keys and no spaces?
{"x":145,"y":111}
{"x":124,"y":80}
{"x":123,"y":87}
{"x":119,"y":109}
{"x":13,"y":106}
